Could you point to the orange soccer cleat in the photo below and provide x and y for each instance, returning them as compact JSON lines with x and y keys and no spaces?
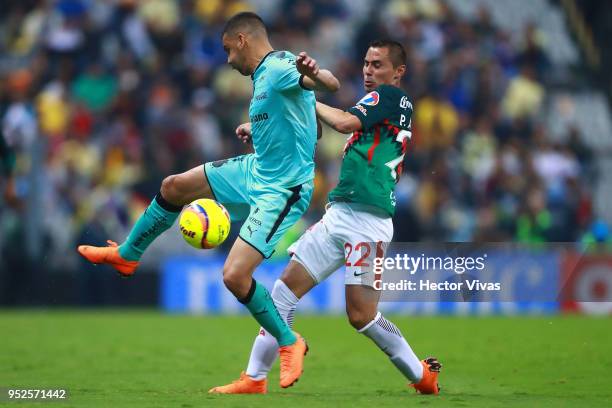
{"x":243,"y":385}
{"x":429,"y":382}
{"x":292,"y":361}
{"x":108,"y":255}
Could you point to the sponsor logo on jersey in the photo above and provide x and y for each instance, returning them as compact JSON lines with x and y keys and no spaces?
{"x":261,"y":96}
{"x":259,"y":117}
{"x":370,"y":99}
{"x":255,"y":221}
{"x":405,"y":103}
{"x":362,"y":110}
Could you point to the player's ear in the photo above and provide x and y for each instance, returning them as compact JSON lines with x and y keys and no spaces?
{"x":241,"y":40}
{"x":399,"y":72}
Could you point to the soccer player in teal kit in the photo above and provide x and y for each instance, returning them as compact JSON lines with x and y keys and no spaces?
{"x":269,"y":189}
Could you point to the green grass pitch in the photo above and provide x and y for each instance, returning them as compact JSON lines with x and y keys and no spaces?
{"x":148,"y":359}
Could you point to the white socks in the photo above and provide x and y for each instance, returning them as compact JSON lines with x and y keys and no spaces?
{"x":265,"y":346}
{"x":390,"y":340}
{"x":382,"y":332}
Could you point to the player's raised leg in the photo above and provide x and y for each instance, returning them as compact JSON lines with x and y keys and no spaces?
{"x":176,"y":191}
{"x":363,"y":314}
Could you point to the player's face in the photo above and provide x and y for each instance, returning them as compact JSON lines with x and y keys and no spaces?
{"x":377,"y":68}
{"x":234,"y":48}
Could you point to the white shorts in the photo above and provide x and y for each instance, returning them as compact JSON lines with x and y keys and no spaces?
{"x":346,"y":235}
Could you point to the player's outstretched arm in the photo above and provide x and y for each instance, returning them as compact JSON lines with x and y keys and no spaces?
{"x":339,"y":120}
{"x":315,"y":78}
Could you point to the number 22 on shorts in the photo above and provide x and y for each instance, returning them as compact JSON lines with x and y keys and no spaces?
{"x":365,"y":248}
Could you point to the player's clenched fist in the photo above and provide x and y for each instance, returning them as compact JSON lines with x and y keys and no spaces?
{"x":243,"y":132}
{"x":306,"y":65}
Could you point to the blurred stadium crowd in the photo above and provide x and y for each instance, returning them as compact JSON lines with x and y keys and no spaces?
{"x":99,"y":100}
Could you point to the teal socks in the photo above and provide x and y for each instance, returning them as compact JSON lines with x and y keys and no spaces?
{"x":260,"y":304}
{"x":156,"y":219}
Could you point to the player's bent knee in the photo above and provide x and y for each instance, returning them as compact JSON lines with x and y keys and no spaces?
{"x":183,"y":188}
{"x":170,"y":190}
{"x":235,"y":281}
{"x":359,"y":318}
{"x":297,"y":279}
{"x":231,"y":278}
{"x":180,"y":189}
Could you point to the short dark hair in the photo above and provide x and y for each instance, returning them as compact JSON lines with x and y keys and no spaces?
{"x":397,"y":53}
{"x":246,"y":22}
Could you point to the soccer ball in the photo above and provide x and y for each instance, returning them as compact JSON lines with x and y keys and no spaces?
{"x":204,"y":223}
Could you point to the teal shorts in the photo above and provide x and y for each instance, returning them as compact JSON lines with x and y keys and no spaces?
{"x":267,"y":210}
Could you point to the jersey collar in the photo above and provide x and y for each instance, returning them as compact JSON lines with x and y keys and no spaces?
{"x":261,"y":62}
